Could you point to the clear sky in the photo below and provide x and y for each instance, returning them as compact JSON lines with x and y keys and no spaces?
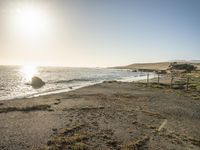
{"x":98,"y":33}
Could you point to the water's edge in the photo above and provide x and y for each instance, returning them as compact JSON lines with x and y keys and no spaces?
{"x":128,"y":79}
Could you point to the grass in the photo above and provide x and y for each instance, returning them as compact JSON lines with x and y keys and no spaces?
{"x":180,"y":81}
{"x":159,"y":85}
{"x":194,"y":84}
{"x":26,"y":109}
{"x":73,"y":129}
{"x":194,"y":80}
{"x":179,"y":137}
{"x":66,"y":140}
{"x":79,"y":146}
{"x":84,"y":108}
{"x":150,"y":113}
{"x":70,"y":138}
{"x":134,"y":145}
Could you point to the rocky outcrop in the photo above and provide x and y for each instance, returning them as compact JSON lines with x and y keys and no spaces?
{"x":36,"y":82}
{"x":184,"y":67}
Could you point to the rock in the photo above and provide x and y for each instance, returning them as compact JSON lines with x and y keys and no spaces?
{"x":183,"y":67}
{"x":36,"y":82}
{"x":54,"y":130}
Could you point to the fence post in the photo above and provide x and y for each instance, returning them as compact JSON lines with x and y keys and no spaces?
{"x":171,"y":81}
{"x":187,"y":83}
{"x":148,"y":79}
{"x":158,"y":78}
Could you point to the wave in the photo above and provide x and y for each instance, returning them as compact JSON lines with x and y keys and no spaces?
{"x":73,"y":80}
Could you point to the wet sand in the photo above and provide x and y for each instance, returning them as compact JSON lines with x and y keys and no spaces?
{"x":111,"y":115}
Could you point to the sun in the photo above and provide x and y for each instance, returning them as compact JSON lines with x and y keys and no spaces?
{"x":30,"y":21}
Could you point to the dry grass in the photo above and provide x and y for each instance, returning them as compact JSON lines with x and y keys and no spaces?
{"x":70,"y":139}
{"x":151,"y":113}
{"x":26,"y":109}
{"x":149,"y":66}
{"x":84,"y":108}
{"x":180,"y":137}
{"x":135,"y":145}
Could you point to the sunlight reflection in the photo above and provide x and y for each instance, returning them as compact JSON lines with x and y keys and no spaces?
{"x":28,"y":71}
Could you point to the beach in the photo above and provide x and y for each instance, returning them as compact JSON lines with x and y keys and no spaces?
{"x":110,"y":115}
{"x":99,"y":75}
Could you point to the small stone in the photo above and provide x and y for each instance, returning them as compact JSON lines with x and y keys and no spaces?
{"x":134,"y":122}
{"x":54,"y":129}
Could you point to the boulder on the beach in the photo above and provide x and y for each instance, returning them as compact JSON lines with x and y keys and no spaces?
{"x":36,"y":82}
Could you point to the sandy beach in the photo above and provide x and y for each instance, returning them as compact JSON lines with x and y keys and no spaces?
{"x":99,"y":75}
{"x":110,"y":115}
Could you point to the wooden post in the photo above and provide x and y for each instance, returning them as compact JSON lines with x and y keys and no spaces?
{"x":158,"y":78}
{"x":171,"y":81}
{"x":187,"y":83}
{"x":148,"y":79}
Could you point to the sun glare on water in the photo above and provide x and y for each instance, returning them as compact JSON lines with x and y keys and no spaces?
{"x":28,"y":71}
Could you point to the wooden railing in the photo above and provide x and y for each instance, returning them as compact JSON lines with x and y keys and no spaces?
{"x":176,"y":81}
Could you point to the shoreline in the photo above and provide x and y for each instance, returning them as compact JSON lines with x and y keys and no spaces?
{"x":128,"y":79}
{"x":109,"y":115}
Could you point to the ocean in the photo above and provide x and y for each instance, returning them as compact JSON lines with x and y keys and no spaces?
{"x":15,"y":80}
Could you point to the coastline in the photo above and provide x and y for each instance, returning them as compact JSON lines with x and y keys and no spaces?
{"x":109,"y":115}
{"x":127,"y":79}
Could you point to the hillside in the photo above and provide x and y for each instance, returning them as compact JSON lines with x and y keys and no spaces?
{"x":153,"y":66}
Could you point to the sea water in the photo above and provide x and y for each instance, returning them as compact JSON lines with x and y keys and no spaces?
{"x":15,"y":80}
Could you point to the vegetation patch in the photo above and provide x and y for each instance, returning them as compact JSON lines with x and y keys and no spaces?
{"x":85,"y":108}
{"x":43,"y":107}
{"x":186,"y":67}
{"x":193,"y":95}
{"x":135,"y":145}
{"x":150,"y":113}
{"x":159,"y":85}
{"x":69,"y":138}
{"x":179,"y":137}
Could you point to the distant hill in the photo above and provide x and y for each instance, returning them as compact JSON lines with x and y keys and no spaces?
{"x":195,"y":61}
{"x":186,"y":61}
{"x":155,"y":66}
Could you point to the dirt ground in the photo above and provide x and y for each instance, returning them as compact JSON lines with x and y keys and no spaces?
{"x":111,"y":115}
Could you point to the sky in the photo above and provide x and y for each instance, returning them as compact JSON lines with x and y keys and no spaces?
{"x":98,"y":33}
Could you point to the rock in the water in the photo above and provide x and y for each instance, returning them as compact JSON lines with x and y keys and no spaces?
{"x":37,"y":82}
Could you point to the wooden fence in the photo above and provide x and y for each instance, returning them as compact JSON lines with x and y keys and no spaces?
{"x":173,"y":81}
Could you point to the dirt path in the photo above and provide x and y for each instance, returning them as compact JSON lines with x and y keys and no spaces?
{"x":105,"y":116}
